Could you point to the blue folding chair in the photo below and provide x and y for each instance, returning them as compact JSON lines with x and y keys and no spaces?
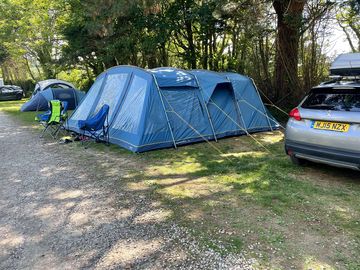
{"x":96,"y":126}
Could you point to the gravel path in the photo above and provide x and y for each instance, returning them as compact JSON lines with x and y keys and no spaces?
{"x":60,"y":210}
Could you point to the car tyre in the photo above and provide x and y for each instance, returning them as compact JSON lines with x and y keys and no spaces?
{"x":297,"y":161}
{"x":19,"y":97}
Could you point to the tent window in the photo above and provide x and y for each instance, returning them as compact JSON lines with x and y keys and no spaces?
{"x":64,"y":95}
{"x":130,"y":114}
{"x":113,"y":89}
{"x":58,"y":86}
{"x":84,"y":108}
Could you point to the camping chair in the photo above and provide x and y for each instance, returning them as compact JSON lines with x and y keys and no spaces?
{"x":53,"y":120}
{"x":97,"y":126}
{"x":63,"y":116}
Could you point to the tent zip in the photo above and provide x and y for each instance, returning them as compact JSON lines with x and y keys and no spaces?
{"x":166,"y":115}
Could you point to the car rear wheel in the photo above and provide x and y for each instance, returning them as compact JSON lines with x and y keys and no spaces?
{"x":297,"y":161}
{"x":19,"y":96}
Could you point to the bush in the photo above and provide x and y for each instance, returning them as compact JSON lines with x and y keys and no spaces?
{"x":78,"y":77}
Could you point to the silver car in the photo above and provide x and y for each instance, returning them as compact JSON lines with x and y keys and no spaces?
{"x":325,"y":127}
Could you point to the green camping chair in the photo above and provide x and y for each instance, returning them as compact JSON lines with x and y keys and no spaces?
{"x":54,"y":119}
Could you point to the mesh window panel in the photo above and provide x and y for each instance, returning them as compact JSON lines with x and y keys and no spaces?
{"x":65,"y":95}
{"x":84,"y":108}
{"x":130,"y":113}
{"x":114,"y":87}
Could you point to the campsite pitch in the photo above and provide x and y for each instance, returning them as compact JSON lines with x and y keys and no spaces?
{"x":64,"y":206}
{"x":60,"y":210}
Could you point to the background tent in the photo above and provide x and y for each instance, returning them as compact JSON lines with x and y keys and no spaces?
{"x":167,"y":107}
{"x":40,"y":101}
{"x":51,"y":83}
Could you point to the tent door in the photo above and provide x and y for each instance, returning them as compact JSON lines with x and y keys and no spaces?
{"x":224,"y":111}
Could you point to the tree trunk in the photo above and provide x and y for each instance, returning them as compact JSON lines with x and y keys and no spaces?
{"x":29,"y":69}
{"x":289,"y":20}
{"x":152,"y":61}
{"x":164,"y":56}
{"x":189,"y":35}
{"x":348,"y":37}
{"x":4,"y":73}
{"x":205,"y":52}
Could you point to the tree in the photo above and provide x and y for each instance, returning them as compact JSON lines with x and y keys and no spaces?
{"x":313,"y":63}
{"x":289,"y":23}
{"x":349,"y":20}
{"x":4,"y":54}
{"x":79,"y":39}
{"x":31,"y":32}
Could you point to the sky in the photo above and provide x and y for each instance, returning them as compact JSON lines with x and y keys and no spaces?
{"x":337,"y":43}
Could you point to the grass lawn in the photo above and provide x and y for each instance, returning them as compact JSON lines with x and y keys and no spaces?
{"x":13,"y":108}
{"x":241,"y":198}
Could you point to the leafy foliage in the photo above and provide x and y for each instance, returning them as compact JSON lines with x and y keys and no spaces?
{"x":50,"y":38}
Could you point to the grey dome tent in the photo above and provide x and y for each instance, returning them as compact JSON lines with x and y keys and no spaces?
{"x":52,"y":89}
{"x":168,"y":107}
{"x":51,"y":83}
{"x":40,"y":101}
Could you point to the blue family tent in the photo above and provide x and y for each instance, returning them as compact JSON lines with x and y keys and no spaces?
{"x":168,"y":107}
{"x":52,"y":89}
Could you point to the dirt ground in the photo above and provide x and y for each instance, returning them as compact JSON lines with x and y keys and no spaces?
{"x":59,"y":211}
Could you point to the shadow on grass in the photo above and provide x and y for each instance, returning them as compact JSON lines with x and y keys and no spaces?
{"x":238,"y":197}
{"x":224,"y":195}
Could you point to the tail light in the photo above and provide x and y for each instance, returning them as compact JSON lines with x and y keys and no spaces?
{"x":295,"y":113}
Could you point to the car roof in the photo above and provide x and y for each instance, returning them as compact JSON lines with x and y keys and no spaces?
{"x":339,"y":84}
{"x":10,"y":86}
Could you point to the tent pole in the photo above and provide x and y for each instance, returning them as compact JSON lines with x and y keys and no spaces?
{"x":237,"y":106}
{"x":163,"y":105}
{"x":262,"y":103}
{"x":206,"y":109}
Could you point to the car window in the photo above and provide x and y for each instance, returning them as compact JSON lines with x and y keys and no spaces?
{"x":333,"y":99}
{"x":7,"y":90}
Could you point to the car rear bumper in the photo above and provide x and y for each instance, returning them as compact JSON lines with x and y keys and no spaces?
{"x":327,"y":155}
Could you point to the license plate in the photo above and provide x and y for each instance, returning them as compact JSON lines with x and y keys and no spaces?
{"x":340,"y":127}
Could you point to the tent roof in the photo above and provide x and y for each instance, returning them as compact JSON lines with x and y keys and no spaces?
{"x":168,"y":77}
{"x":208,"y":81}
{"x":172,"y":77}
{"x":47,"y":83}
